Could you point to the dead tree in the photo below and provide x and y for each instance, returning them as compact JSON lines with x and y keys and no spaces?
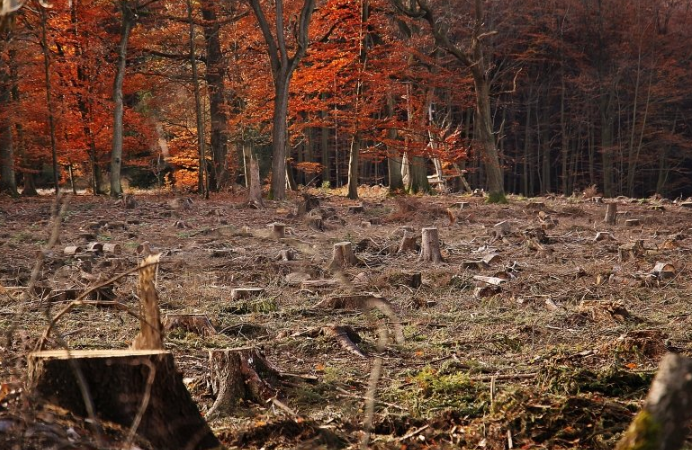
{"x":663,"y":422}
{"x":430,"y":245}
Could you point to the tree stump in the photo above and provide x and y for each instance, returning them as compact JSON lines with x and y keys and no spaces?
{"x":664,"y":420}
{"x":150,"y":335}
{"x":255,"y":190}
{"x":239,"y":374}
{"x":129,"y":201}
{"x":611,"y":215}
{"x":430,"y":245}
{"x":194,"y":323}
{"x":286,"y":255}
{"x":356,"y":209}
{"x":122,"y":385}
{"x":278,"y":230}
{"x":632,"y":222}
{"x":408,"y":242}
{"x":243,"y":293}
{"x":343,"y":256}
{"x":115,"y":249}
{"x":72,"y":250}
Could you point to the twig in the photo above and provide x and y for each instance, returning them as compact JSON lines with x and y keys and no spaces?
{"x":412,"y":433}
{"x":372,"y":388}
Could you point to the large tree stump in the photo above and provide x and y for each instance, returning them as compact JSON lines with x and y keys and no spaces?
{"x":239,"y":374}
{"x":611,"y":215}
{"x":124,"y":385}
{"x":343,"y":256}
{"x":663,"y":423}
{"x":194,"y":323}
{"x":430,"y":245}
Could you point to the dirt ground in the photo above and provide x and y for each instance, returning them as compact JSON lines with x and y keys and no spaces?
{"x":559,"y":354}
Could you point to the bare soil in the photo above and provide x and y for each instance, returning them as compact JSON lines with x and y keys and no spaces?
{"x":559,"y":355}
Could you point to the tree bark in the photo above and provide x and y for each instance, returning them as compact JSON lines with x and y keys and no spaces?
{"x":128,"y":22}
{"x":203,"y":179}
{"x":8,"y":181}
{"x":49,"y":100}
{"x":123,"y":386}
{"x":216,"y":69}
{"x":283,"y":67}
{"x":663,"y":422}
{"x":430,"y":245}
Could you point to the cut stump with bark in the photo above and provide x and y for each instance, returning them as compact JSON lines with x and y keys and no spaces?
{"x":255,"y":189}
{"x":278,"y":230}
{"x":239,"y":374}
{"x":343,"y":256}
{"x":124,"y":386}
{"x":663,"y":422}
{"x":430,"y":245}
{"x":611,"y":215}
{"x":244,"y":293}
{"x":194,"y":323}
{"x":408,"y":243}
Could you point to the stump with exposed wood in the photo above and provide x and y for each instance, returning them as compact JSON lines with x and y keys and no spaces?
{"x":408,"y":242}
{"x":150,"y":335}
{"x":239,"y":374}
{"x":194,"y":323}
{"x":611,"y":215}
{"x":430,"y":245}
{"x":124,"y":385}
{"x":343,"y":256}
{"x":255,"y":188}
{"x":663,"y":422}
{"x":356,"y":209}
{"x":245,"y":293}
{"x":278,"y":230}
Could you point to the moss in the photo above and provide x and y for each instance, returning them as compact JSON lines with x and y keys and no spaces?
{"x":643,"y":434}
{"x":497,"y":197}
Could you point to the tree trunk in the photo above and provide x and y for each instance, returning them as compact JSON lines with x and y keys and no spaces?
{"x":215,"y":72}
{"x":123,"y":386}
{"x":128,"y":21}
{"x":419,"y":175}
{"x":203,"y":180}
{"x":49,"y":100}
{"x":493,"y":170}
{"x":8,"y":181}
{"x":663,"y":422}
{"x":353,"y":167}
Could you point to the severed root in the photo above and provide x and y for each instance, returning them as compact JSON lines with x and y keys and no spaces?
{"x":366,"y":303}
{"x":346,"y":337}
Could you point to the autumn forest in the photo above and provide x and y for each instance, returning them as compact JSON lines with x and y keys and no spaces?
{"x":525,"y":97}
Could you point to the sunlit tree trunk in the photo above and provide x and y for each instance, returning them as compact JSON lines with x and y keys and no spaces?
{"x":49,"y":100}
{"x":127,"y":23}
{"x":203,"y":180}
{"x":283,"y":67}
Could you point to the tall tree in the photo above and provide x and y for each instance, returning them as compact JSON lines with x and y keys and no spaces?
{"x":283,"y":66}
{"x":474,"y":57}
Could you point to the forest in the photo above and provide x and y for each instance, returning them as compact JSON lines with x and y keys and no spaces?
{"x":524,"y":97}
{"x":341,"y":224}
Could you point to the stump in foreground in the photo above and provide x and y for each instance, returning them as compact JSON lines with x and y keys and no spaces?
{"x":663,"y":423}
{"x":124,"y":385}
{"x":239,"y":374}
{"x":343,"y":256}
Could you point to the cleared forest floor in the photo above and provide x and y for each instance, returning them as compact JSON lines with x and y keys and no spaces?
{"x":558,"y":355}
